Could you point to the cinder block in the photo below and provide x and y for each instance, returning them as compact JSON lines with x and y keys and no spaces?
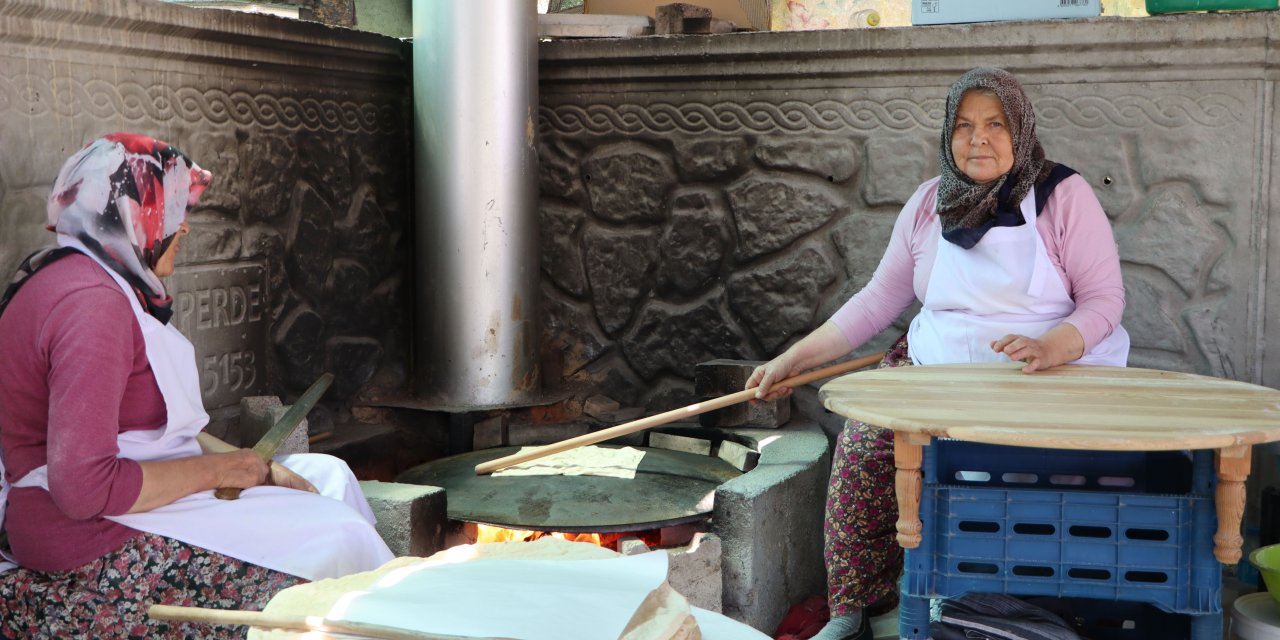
{"x":411,"y":517}
{"x":695,"y":572}
{"x":680,"y":443}
{"x":742,"y":457}
{"x":259,"y":413}
{"x":490,"y":433}
{"x":717,"y":378}
{"x":631,"y":545}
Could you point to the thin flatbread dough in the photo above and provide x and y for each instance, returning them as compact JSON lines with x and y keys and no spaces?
{"x":583,"y":461}
{"x":663,"y":615}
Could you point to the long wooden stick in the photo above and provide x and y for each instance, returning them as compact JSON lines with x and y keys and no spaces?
{"x":670,"y":416}
{"x":294,"y":623}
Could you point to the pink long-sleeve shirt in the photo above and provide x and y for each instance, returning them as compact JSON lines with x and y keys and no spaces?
{"x":73,"y":375}
{"x":1076,"y":234}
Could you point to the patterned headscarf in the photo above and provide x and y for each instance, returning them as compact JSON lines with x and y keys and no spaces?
{"x":968,"y":209}
{"x":123,"y":196}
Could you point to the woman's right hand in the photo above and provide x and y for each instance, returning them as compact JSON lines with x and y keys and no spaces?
{"x":239,"y":469}
{"x":767,"y":375}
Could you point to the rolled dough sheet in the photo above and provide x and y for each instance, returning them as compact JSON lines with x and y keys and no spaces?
{"x":583,"y":461}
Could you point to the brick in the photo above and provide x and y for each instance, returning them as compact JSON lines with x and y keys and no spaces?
{"x":740,"y":456}
{"x":716,"y":378}
{"x":411,"y":518}
{"x":490,"y":433}
{"x":597,"y":406}
{"x":680,"y":443}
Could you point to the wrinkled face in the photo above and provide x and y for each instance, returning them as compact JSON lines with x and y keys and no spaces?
{"x":164,"y":266}
{"x":981,"y":143}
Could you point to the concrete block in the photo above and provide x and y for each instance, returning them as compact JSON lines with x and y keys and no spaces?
{"x":716,"y":378}
{"x":596,"y":406}
{"x":680,"y":443}
{"x":769,"y":522}
{"x":411,"y":517}
{"x":631,"y":545}
{"x":259,"y":413}
{"x":695,"y":572}
{"x":742,"y":457}
{"x":490,"y":433}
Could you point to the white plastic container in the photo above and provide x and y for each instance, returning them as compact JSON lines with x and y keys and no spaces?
{"x":1255,"y":617}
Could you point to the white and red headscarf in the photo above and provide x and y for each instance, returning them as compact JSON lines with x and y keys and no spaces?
{"x":123,"y":196}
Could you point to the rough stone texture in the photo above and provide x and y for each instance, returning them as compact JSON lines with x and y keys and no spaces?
{"x":1180,"y":160}
{"x":771,"y":211}
{"x":711,"y":159}
{"x":693,"y":245}
{"x":778,"y":299}
{"x":666,"y":337}
{"x":895,"y":168}
{"x":769,"y":522}
{"x":558,"y":170}
{"x":297,"y":339}
{"x":231,"y":90}
{"x":353,"y":362}
{"x":694,"y":572}
{"x":717,"y":378}
{"x":628,"y":183}
{"x":258,"y":414}
{"x":832,"y":159}
{"x":618,"y":264}
{"x":412,"y":518}
{"x":561,"y":247}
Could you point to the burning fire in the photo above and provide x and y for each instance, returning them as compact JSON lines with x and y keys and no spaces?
{"x":489,"y":533}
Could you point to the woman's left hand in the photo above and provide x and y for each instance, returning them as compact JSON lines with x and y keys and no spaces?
{"x":1059,"y":345}
{"x":281,"y":476}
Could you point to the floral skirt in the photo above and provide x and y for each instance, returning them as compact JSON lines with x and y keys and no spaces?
{"x":861,"y":548}
{"x":109,"y":597}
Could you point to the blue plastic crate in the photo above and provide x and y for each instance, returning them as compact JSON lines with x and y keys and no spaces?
{"x":1108,"y":538}
{"x":1095,"y":619}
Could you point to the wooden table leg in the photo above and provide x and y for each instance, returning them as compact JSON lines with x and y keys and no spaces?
{"x":907,"y":456}
{"x":1233,"y":469}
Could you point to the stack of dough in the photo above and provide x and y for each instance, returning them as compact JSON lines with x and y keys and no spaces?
{"x":663,"y":615}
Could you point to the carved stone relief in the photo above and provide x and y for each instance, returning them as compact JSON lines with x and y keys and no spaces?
{"x":812,"y":188}
{"x":301,"y":227}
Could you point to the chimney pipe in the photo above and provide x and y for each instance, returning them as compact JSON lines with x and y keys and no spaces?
{"x":474,"y":99}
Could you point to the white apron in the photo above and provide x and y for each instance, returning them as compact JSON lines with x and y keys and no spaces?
{"x":1004,"y":284}
{"x":303,"y":534}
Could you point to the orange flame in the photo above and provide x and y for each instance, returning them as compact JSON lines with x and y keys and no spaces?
{"x":489,"y":533}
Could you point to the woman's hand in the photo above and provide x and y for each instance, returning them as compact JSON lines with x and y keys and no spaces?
{"x":282,"y":476}
{"x":1059,"y":345}
{"x":769,"y":374}
{"x":239,"y":469}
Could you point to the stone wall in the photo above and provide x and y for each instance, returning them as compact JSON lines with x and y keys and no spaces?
{"x":297,"y":257}
{"x":718,"y":197}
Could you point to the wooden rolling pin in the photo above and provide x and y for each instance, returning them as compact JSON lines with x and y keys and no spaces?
{"x":671,"y":416}
{"x":294,"y":623}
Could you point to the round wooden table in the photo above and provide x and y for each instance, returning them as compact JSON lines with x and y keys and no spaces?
{"x":1069,"y":407}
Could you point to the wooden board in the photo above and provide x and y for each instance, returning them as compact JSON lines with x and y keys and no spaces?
{"x":1070,"y":407}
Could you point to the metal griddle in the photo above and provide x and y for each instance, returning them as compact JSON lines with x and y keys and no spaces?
{"x":670,"y":488}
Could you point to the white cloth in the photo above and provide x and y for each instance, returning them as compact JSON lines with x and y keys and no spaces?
{"x":1005,"y":284}
{"x":302,"y":534}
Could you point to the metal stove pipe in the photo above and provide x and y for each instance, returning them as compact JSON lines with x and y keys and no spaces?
{"x":474,"y":100}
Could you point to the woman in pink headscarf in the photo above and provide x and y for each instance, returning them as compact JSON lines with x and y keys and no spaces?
{"x":107,"y":474}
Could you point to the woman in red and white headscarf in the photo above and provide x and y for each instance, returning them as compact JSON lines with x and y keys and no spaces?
{"x":107,"y":475}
